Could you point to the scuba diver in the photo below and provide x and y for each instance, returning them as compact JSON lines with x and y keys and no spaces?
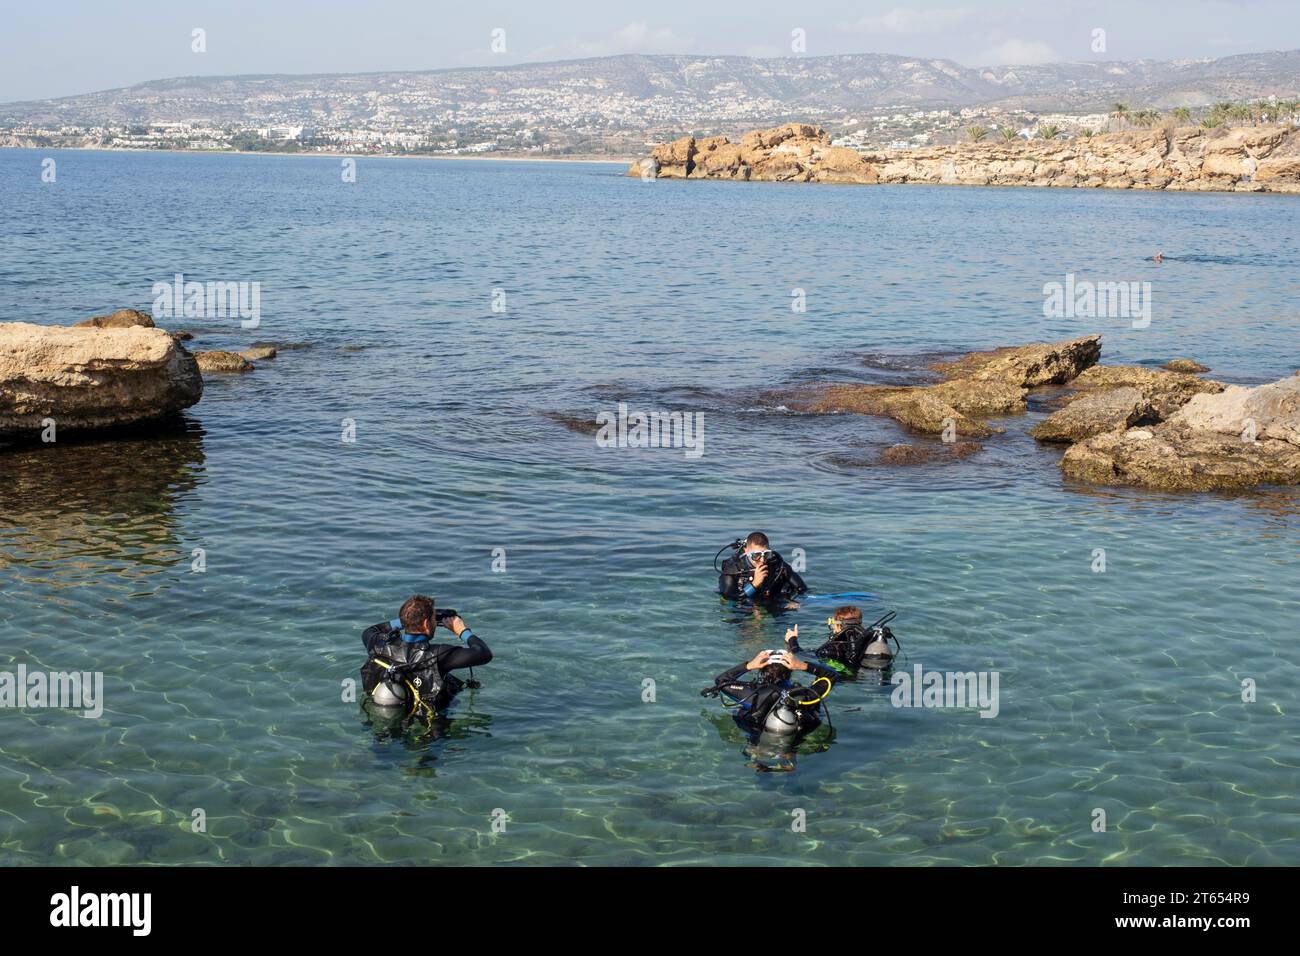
{"x":756,"y":573}
{"x":407,"y":671}
{"x":850,"y":645}
{"x":772,"y":703}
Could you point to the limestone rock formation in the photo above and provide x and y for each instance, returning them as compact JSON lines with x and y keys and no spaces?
{"x":91,"y":378}
{"x":1164,"y":391}
{"x":977,"y":385}
{"x":121,"y":319}
{"x":1250,"y":159}
{"x":795,"y":152}
{"x":1094,"y":413}
{"x":219,"y":361}
{"x":1027,"y":366}
{"x":1238,"y":438}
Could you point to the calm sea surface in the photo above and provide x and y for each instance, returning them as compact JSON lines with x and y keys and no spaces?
{"x":1119,"y":691}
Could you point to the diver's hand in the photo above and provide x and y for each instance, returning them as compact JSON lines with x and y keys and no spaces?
{"x":790,"y":661}
{"x":761,"y":659}
{"x":792,"y":634}
{"x":455,"y":625}
{"x":760,"y":574}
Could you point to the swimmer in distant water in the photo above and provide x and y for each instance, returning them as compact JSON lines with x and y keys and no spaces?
{"x":1158,"y":257}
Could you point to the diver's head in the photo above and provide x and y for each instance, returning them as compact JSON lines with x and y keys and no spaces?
{"x":774,"y":674}
{"x":845,"y":616}
{"x":418,"y":615}
{"x":757,"y":551}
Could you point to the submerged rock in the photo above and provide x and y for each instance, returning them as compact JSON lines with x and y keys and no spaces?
{"x":1239,"y":438}
{"x":91,"y":377}
{"x":121,"y":319}
{"x":927,"y":454}
{"x":1093,"y":414}
{"x":257,"y":354}
{"x":914,"y":407}
{"x":1190,"y":366}
{"x":218,"y":361}
{"x":578,"y":423}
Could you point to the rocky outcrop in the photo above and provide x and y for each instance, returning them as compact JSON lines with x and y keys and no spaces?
{"x":1238,"y":438}
{"x":218,"y":361}
{"x":976,"y":386}
{"x":1265,"y":412}
{"x":1186,"y":365}
{"x":1164,"y":391}
{"x":795,"y":152}
{"x":258,"y":354}
{"x":1093,"y":414}
{"x":121,"y":319}
{"x":91,"y":378}
{"x":1027,"y":366}
{"x":1254,"y":159}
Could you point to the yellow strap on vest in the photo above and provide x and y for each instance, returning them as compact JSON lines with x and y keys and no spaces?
{"x":818,"y":700}
{"x":419,"y":702}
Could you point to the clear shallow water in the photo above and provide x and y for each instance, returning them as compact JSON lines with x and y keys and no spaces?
{"x":1118,"y":690}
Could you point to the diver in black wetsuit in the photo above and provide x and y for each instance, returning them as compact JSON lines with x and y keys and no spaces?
{"x":406,"y":669}
{"x":758,"y":574}
{"x":772,"y":702}
{"x":851,"y":646}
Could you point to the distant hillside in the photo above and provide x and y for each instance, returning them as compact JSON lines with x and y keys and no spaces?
{"x":668,"y":92}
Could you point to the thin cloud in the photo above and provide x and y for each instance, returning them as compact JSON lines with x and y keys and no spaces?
{"x":636,"y":37}
{"x":1016,"y":52}
{"x":902,"y":22}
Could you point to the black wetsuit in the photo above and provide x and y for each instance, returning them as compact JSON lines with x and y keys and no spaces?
{"x":781,"y":584}
{"x":757,"y":697}
{"x":426,"y":665}
{"x":842,"y":653}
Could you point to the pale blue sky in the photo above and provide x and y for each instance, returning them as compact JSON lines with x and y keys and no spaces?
{"x":84,"y":45}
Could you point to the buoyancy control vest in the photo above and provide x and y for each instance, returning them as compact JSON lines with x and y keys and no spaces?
{"x":782,"y":582}
{"x":403,"y":671}
{"x":785,"y":708}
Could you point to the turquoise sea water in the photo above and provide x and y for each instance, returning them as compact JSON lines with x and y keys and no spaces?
{"x":1119,"y":691}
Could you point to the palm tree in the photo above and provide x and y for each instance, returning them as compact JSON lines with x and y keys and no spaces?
{"x":1048,"y":132}
{"x":1119,"y":113}
{"x":1183,"y":115}
{"x":1087,"y":133}
{"x":1008,"y":134}
{"x":976,"y":133}
{"x":1211,"y":122}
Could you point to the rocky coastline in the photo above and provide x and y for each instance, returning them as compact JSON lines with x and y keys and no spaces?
{"x":1246,"y":159}
{"x":1166,"y":428}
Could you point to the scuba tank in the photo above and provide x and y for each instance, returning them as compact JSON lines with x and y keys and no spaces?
{"x":389,"y":694}
{"x":877,"y":653}
{"x":782,"y":718}
{"x":790,"y":714}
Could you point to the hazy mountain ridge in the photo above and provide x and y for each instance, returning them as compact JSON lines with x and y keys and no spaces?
{"x":644,"y":91}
